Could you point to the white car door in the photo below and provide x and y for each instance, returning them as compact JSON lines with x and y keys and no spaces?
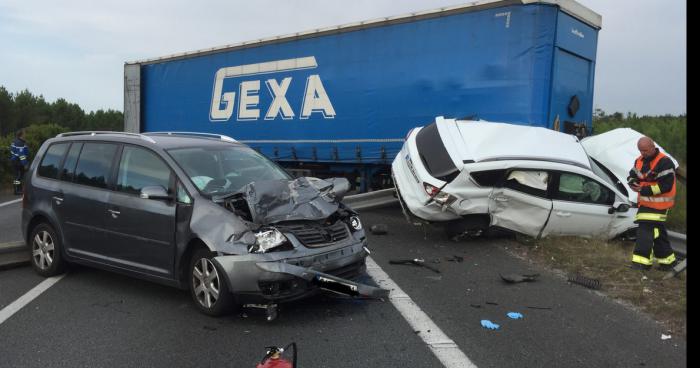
{"x":521,"y":204}
{"x":581,"y":207}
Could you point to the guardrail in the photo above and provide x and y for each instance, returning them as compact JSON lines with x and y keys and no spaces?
{"x":374,"y":199}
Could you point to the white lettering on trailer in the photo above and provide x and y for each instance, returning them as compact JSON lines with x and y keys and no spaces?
{"x":505,"y":14}
{"x":315,"y":98}
{"x":248,"y":98}
{"x":577,"y":32}
{"x":280,"y":103}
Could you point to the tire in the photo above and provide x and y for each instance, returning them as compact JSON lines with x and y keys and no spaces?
{"x":46,"y":251}
{"x":207,"y":285}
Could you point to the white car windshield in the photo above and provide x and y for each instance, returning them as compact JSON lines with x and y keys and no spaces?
{"x":222,"y":170}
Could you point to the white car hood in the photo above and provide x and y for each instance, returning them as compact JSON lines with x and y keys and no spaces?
{"x":617,"y":150}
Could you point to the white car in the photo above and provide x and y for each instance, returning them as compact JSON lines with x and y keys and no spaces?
{"x":474,"y":175}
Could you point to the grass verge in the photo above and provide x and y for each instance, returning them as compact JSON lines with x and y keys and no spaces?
{"x":608,"y":261}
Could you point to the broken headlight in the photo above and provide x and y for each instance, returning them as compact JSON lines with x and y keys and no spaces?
{"x":267,"y":239}
{"x":355,"y":223}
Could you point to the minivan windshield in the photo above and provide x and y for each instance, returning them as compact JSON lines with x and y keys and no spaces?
{"x":222,"y":170}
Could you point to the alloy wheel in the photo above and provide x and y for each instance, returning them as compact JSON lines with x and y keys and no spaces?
{"x":205,"y":281}
{"x":43,"y":249}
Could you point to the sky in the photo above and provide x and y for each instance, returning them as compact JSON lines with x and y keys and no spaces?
{"x":76,"y":49}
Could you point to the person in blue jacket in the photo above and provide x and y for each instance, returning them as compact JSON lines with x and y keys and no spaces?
{"x":19,"y":157}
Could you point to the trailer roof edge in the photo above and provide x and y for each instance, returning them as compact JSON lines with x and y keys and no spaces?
{"x":570,"y":7}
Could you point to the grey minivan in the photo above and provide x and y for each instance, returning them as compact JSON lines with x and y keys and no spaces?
{"x":196,"y":211}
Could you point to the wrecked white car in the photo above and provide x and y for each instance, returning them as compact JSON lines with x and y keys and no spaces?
{"x":474,"y":175}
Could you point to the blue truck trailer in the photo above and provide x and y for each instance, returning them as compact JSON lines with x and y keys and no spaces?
{"x":339,"y":101}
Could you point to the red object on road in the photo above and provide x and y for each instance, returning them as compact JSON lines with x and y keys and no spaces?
{"x":275,"y":363}
{"x":273,"y":358}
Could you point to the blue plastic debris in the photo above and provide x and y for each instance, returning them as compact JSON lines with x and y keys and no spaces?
{"x":515,"y":315}
{"x":490,"y":325}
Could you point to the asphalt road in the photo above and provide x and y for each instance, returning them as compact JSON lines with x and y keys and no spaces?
{"x":93,"y":318}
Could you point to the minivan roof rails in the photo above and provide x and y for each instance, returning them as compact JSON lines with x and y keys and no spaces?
{"x":97,"y":132}
{"x":206,"y":135}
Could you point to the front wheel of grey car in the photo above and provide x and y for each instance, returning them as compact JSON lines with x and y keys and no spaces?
{"x":45,"y":247}
{"x":207,"y":285}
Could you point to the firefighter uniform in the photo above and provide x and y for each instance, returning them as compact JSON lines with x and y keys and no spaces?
{"x":19,"y":157}
{"x":656,"y":176}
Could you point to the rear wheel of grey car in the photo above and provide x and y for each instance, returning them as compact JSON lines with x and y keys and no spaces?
{"x":207,"y":285}
{"x":45,"y":247}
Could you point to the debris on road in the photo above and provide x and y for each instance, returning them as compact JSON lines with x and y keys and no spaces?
{"x":379,"y":229}
{"x":514,"y":315}
{"x":492,"y":303}
{"x":455,"y":258}
{"x":475,"y":305}
{"x":490,"y":325}
{"x":665,"y":337}
{"x":513,"y":277}
{"x":534,"y":307}
{"x":585,"y":281}
{"x":416,"y":262}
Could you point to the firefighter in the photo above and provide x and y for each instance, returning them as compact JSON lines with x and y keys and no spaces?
{"x":653,"y":177}
{"x":19,"y":157}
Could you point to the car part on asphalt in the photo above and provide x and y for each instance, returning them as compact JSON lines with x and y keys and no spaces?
{"x":585,"y":281}
{"x":378,"y":229}
{"x":271,"y":310}
{"x":485,"y":323}
{"x":455,"y":258}
{"x":416,"y":262}
{"x":514,"y":277}
{"x":514,"y":315}
{"x":535,"y":307}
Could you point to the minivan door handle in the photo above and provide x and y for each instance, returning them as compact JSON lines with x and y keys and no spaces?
{"x":58,"y":200}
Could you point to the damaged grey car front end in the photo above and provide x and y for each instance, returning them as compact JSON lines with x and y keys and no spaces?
{"x":298,"y":238}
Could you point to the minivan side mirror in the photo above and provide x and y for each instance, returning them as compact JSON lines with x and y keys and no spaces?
{"x":619,"y":207}
{"x":155,"y":192}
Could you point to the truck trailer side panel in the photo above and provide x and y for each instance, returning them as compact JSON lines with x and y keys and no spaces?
{"x":351,"y":96}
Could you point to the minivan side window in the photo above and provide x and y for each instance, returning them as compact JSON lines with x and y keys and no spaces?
{"x":51,"y":162}
{"x":95,"y":164}
{"x":68,"y":171}
{"x":141,"y":168}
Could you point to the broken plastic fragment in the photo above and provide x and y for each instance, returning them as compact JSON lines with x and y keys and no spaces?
{"x":515,"y":315}
{"x":485,"y":323}
{"x":512,"y":277}
{"x":379,"y":229}
{"x":665,"y":337}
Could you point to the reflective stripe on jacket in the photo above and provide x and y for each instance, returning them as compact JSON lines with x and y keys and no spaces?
{"x":657,"y":200}
{"x":19,"y":152}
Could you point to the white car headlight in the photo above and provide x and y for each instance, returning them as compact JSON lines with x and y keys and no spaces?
{"x":355,"y":223}
{"x":268,"y":239}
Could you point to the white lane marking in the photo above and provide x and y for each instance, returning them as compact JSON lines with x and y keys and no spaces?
{"x":441,"y":345}
{"x":25,"y":299}
{"x":10,"y":202}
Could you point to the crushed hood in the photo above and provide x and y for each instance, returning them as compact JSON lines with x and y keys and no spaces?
{"x":617,"y":150}
{"x":303,"y":198}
